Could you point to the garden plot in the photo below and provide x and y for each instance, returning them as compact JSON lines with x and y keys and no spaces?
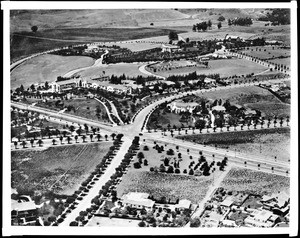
{"x":60,"y":169}
{"x":249,"y":181}
{"x":224,"y":67}
{"x":46,"y":68}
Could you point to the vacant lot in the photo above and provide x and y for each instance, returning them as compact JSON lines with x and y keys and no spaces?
{"x":224,"y":67}
{"x":252,"y":97}
{"x":130,"y":70}
{"x":60,"y":169}
{"x":46,"y":68}
{"x":266,"y":142}
{"x":245,"y":180}
{"x":165,"y":185}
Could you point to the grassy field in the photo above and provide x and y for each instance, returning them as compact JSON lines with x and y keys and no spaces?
{"x":46,"y":68}
{"x":167,"y":185}
{"x":266,"y":52}
{"x":270,"y":142}
{"x":224,"y":67}
{"x":39,"y":170}
{"x":131,"y":70}
{"x":245,"y":180}
{"x":252,"y":97}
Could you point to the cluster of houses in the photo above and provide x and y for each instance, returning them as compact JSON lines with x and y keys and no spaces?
{"x":23,"y":211}
{"x":246,"y":210}
{"x":101,"y":82}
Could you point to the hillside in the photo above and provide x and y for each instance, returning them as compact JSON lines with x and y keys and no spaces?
{"x":95,"y":18}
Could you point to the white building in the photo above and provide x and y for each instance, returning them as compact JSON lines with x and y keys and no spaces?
{"x":180,"y":106}
{"x":169,"y":48}
{"x":137,"y":200}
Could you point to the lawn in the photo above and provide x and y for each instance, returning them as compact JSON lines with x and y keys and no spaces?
{"x":252,"y":202}
{"x":161,"y":119}
{"x":270,"y":142}
{"x":256,"y":182}
{"x":167,"y":185}
{"x":46,"y":68}
{"x":253,"y":97}
{"x":39,"y":170}
{"x":129,"y":69}
{"x":224,"y":67}
{"x":115,"y":222}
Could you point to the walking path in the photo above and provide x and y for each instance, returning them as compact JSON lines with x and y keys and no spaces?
{"x":107,"y":111}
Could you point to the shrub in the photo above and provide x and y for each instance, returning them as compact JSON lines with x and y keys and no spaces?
{"x":137,"y":165}
{"x":177,"y":171}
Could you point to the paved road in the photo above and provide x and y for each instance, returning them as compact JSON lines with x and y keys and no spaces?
{"x":107,"y":111}
{"x":86,"y":202}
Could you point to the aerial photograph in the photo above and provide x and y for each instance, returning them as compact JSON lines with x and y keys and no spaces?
{"x":150,"y":118}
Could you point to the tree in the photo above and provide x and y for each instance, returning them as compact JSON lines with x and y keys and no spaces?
{"x":191,"y":172}
{"x":16,"y":144}
{"x":106,"y":136}
{"x":76,"y":138}
{"x":195,"y":222}
{"x":53,"y":141}
{"x":40,"y":142}
{"x":61,"y":139}
{"x":34,"y":29}
{"x":113,"y":135}
{"x":140,"y":155}
{"x":83,"y":138}
{"x":91,"y":137}
{"x":219,"y":25}
{"x":32,"y":142}
{"x":137,"y":165}
{"x":24,"y":143}
{"x":221,"y":18}
{"x":98,"y":137}
{"x":209,"y":24}
{"x":145,"y":162}
{"x":173,"y":35}
{"x":69,"y":139}
{"x":170,"y":169}
{"x":142,"y":224}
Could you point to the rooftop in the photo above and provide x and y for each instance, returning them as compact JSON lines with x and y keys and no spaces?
{"x":22,"y":206}
{"x":140,"y":199}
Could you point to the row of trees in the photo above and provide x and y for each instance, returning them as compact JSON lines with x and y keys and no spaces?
{"x":202,"y":26}
{"x":240,"y":21}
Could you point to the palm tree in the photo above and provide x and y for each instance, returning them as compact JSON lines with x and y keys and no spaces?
{"x":200,"y":130}
{"x":186,"y":131}
{"x":272,"y":168}
{"x":16,"y":144}
{"x":214,"y":129}
{"x":179,"y":129}
{"x":98,"y":137}
{"x":287,"y":120}
{"x":76,"y":138}
{"x":40,"y":142}
{"x":262,"y":124}
{"x":258,"y":166}
{"x":106,"y":136}
{"x":245,"y":163}
{"x":23,"y":143}
{"x":53,"y":141}
{"x":228,"y":127}
{"x":83,"y":138}
{"x":31,"y":142}
{"x":91,"y":137}
{"x":69,"y":139}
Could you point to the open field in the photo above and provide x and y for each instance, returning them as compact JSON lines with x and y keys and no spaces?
{"x":46,"y":68}
{"x":266,"y":52}
{"x":167,"y":185}
{"x":270,"y":142}
{"x":163,"y":119}
{"x":129,"y":69}
{"x":224,"y":67}
{"x":257,"y":182}
{"x":64,"y":166}
{"x":252,"y":97}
